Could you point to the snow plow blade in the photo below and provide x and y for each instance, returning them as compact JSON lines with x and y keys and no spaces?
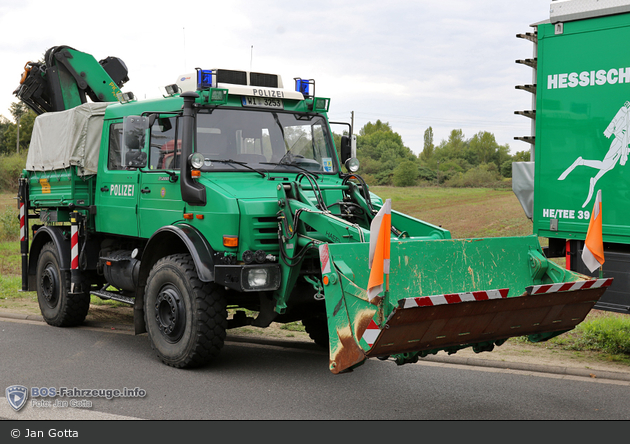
{"x":445,"y":295}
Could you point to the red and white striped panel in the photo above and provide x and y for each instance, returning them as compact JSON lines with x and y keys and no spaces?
{"x":453,"y":298}
{"x":569,"y":286}
{"x":324,"y":258}
{"x":371,"y":333}
{"x":74,"y":245}
{"x":22,"y":222}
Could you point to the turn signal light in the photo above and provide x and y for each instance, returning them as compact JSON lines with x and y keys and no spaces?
{"x":188,"y":216}
{"x":230,"y":241}
{"x":195,"y":173}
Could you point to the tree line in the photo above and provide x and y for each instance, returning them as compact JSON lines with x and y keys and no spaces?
{"x":457,"y":161}
{"x":9,"y":129}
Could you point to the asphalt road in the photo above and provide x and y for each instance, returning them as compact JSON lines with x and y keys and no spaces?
{"x":287,"y":381}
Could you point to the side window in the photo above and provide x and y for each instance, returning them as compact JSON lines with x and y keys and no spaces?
{"x":114,"y":160}
{"x":164,"y":139}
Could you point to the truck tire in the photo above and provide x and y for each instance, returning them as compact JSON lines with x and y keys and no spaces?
{"x":58,"y":307}
{"x":317,"y":329}
{"x":186,"y":319}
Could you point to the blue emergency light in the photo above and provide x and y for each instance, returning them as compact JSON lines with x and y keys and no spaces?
{"x":304,"y":86}
{"x":204,"y":78}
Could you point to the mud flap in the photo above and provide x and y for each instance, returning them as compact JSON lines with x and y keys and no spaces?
{"x":440,"y":322}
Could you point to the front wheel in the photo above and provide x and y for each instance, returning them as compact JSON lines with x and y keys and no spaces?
{"x":186,"y":319}
{"x":317,"y":329}
{"x":58,"y":307}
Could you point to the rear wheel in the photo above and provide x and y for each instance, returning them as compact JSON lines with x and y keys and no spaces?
{"x":58,"y":307}
{"x":186,"y":319}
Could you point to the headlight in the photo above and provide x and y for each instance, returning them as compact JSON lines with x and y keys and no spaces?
{"x":196,"y":160}
{"x":257,"y":277}
{"x":260,"y":277}
{"x":352,"y":165}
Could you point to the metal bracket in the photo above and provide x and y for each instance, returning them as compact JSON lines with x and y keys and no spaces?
{"x":559,"y":28}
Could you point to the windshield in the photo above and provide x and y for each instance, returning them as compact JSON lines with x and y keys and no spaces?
{"x":263,"y":139}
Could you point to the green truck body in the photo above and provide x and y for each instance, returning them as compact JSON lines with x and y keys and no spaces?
{"x":582,"y":101}
{"x":229,"y":193}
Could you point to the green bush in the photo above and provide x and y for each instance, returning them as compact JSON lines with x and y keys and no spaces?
{"x":482,"y":176}
{"x":405,"y":174}
{"x":9,"y":225}
{"x":11,"y":167}
{"x":609,"y":334}
{"x":384,"y":177}
{"x":506,"y":168}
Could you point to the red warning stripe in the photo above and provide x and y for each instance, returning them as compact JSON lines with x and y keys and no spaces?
{"x":324,"y":258}
{"x":22,"y":223}
{"x":453,"y":298}
{"x":74,"y":247}
{"x":371,"y":333}
{"x":568,"y":286}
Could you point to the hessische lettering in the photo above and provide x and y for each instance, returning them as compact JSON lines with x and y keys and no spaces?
{"x":588,"y":78}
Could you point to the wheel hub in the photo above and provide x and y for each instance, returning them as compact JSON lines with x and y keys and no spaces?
{"x":170,"y":313}
{"x":50,"y":286}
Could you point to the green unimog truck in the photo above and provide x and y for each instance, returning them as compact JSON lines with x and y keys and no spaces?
{"x":229,"y":193}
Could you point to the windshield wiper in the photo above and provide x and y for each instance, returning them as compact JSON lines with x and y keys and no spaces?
{"x":240,"y":163}
{"x":293,"y":164}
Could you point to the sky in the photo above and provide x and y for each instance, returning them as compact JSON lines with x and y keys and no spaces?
{"x":414,"y":64}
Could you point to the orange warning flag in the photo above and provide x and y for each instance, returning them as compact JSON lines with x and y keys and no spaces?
{"x":380,"y":244}
{"x":593,"y":253}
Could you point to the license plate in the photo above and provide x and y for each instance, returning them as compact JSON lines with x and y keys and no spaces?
{"x":263,"y":102}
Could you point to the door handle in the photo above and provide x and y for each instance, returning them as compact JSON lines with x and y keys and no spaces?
{"x":105,"y":188}
{"x":145,"y":190}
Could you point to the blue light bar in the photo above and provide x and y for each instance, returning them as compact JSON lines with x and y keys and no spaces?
{"x":204,"y":78}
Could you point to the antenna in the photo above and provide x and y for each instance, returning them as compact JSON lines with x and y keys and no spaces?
{"x":184,"y":31}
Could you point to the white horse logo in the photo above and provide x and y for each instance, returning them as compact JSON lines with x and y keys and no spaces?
{"x":618,"y":151}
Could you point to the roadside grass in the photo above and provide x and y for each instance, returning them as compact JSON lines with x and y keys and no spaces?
{"x":466,"y":212}
{"x":606,"y":333}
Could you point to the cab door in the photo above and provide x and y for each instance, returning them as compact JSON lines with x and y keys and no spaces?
{"x":117,"y":187}
{"x":160,"y":198}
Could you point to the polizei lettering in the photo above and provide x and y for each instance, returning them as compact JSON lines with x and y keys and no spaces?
{"x":268,"y":93}
{"x":121,"y":190}
{"x":588,"y":78}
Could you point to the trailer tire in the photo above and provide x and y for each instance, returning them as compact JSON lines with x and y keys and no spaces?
{"x":317,"y":329}
{"x":58,"y":307}
{"x":186,"y":319}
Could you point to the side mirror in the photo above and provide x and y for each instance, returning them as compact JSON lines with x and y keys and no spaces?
{"x":134,"y":131}
{"x":346,"y":149}
{"x":136,"y":159}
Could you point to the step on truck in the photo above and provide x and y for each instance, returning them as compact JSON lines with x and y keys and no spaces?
{"x":229,"y":193}
{"x":580,"y":124}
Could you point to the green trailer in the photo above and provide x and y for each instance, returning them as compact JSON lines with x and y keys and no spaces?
{"x":228,"y":195}
{"x":580,"y":137}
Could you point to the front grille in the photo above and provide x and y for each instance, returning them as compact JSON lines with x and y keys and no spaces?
{"x":266,"y":233}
